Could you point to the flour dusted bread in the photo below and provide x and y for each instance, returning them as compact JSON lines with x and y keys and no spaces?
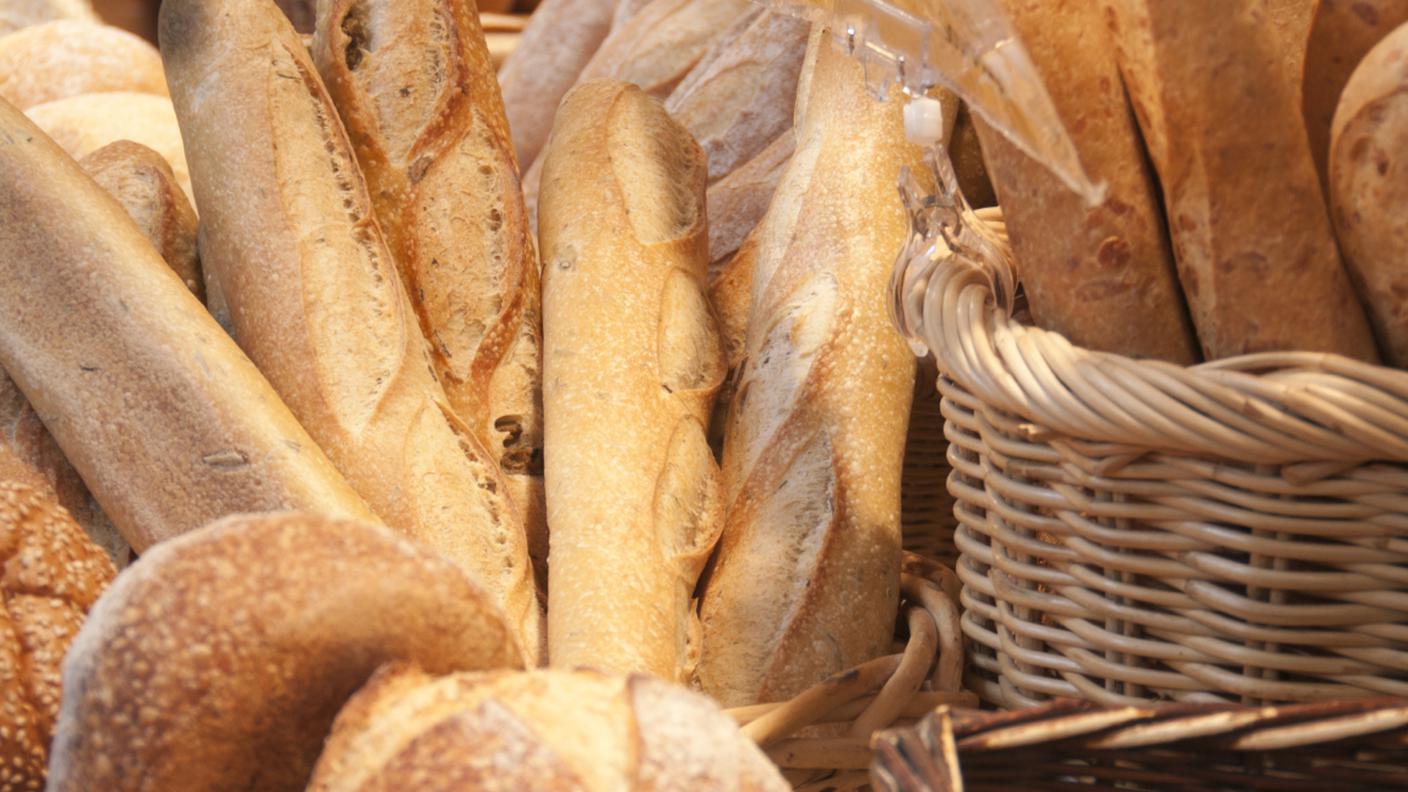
{"x":70,"y":57}
{"x":806,"y":579}
{"x":17,"y":14}
{"x":288,"y":230}
{"x":547,"y":730}
{"x":631,"y":363}
{"x":1250,"y":230}
{"x":738,"y":201}
{"x":166,"y":420}
{"x":83,"y":124}
{"x":434,"y":145}
{"x":238,"y":644}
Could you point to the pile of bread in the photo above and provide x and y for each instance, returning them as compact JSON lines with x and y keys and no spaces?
{"x":384,"y":428}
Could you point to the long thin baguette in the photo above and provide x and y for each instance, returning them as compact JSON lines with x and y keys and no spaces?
{"x":806,"y":579}
{"x":168,"y":423}
{"x":288,"y":231}
{"x":1251,"y":233}
{"x":434,"y":145}
{"x":631,"y":364}
{"x":1102,"y":276}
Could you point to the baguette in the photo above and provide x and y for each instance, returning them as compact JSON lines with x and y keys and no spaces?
{"x":444,"y":183}
{"x":1259,"y":274}
{"x":740,"y":95}
{"x":738,"y":201}
{"x":70,"y":57}
{"x":1369,"y":187}
{"x":168,"y":423}
{"x":806,"y":579}
{"x":1342,"y":32}
{"x":631,"y":364}
{"x":1290,"y":22}
{"x":1102,"y":276}
{"x":287,"y":229}
{"x":17,"y":14}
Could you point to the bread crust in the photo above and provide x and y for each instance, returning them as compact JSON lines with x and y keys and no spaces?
{"x":738,"y":201}
{"x":69,"y":57}
{"x":17,"y":14}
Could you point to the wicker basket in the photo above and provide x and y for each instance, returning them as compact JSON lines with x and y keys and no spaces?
{"x":1236,"y":531}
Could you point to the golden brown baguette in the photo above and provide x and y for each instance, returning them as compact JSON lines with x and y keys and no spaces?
{"x":631,"y":363}
{"x":288,"y":231}
{"x":739,"y":200}
{"x":1102,"y":276}
{"x":239,"y":642}
{"x":434,"y":146}
{"x":1369,"y":187}
{"x":17,"y":14}
{"x":1250,"y":230}
{"x":1342,"y":32}
{"x":740,"y":95}
{"x":70,"y":57}
{"x":806,"y":579}
{"x":167,"y":421}
{"x":560,"y":38}
{"x":543,"y":730}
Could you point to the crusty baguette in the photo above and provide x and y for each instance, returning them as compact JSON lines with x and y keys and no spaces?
{"x":70,"y":57}
{"x":141,"y":180}
{"x":1342,"y":32}
{"x":1103,"y":276}
{"x":167,"y":421}
{"x":806,"y":579}
{"x":738,"y":201}
{"x":1251,"y":232}
{"x":238,"y":643}
{"x":631,"y":363}
{"x":434,"y":145}
{"x":16,"y":14}
{"x":740,"y":95}
{"x":1290,"y":21}
{"x":1369,"y":188}
{"x":545,"y":730}
{"x":83,"y":124}
{"x":560,"y":38}
{"x":287,"y":228}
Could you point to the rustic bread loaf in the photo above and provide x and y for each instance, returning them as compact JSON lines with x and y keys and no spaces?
{"x":631,"y":362}
{"x":70,"y":57}
{"x":238,"y":643}
{"x":545,"y":730}
{"x":738,"y":201}
{"x":1102,"y":276}
{"x":434,"y":145}
{"x":288,"y":230}
{"x":168,"y":422}
{"x":52,"y":574}
{"x":806,"y":580}
{"x":1251,"y":233}
{"x":16,"y":14}
{"x":1369,"y":188}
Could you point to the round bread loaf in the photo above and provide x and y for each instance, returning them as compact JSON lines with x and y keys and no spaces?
{"x":545,"y":730}
{"x":219,"y":659}
{"x":16,"y":14}
{"x":70,"y":57}
{"x":50,"y":574}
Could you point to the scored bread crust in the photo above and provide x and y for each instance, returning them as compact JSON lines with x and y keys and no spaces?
{"x":631,"y":364}
{"x":434,"y":145}
{"x":167,"y":421}
{"x":69,"y":57}
{"x":806,"y":579}
{"x":287,"y":229}
{"x":219,"y":660}
{"x":494,"y":730}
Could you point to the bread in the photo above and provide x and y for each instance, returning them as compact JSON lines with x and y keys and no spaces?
{"x":302,"y":14}
{"x":1369,"y":188}
{"x":739,"y":200}
{"x":1102,"y":276}
{"x":16,"y":14}
{"x":739,"y":97}
{"x":1259,"y":275}
{"x":434,"y":145}
{"x":84,"y":124}
{"x":52,"y":574}
{"x":287,"y":228}
{"x":1342,"y":32}
{"x":560,"y":38}
{"x":625,"y":9}
{"x":142,"y":181}
{"x":1290,"y":22}
{"x":806,"y":579}
{"x":70,"y":57}
{"x":631,"y":361}
{"x":167,"y":421}
{"x":239,"y":642}
{"x":545,"y":730}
